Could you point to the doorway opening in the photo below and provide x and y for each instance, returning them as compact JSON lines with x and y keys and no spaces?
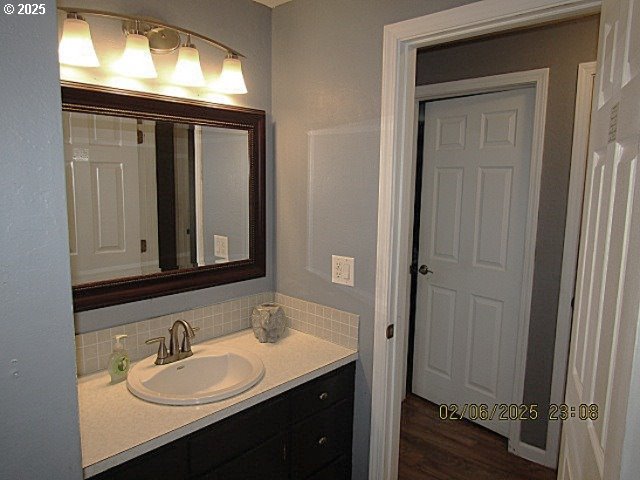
{"x":420,"y":270}
{"x":467,"y":334}
{"x":475,"y":218}
{"x":399,"y":288}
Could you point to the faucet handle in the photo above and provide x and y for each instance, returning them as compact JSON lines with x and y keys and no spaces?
{"x":186,"y":340}
{"x":162,"y":349}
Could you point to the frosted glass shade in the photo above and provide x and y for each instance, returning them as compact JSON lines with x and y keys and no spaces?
{"x":76,"y":46}
{"x":136,"y":60}
{"x":188,"y":71}
{"x":231,"y":79}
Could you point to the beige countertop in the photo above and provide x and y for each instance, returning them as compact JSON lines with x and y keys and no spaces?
{"x":116,"y":426}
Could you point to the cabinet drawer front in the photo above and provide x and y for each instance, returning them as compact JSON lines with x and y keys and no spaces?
{"x":320,"y":439}
{"x":338,"y":470}
{"x":266,"y":461}
{"x":229,"y":438}
{"x":322,"y":392}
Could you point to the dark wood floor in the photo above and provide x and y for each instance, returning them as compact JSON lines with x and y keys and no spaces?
{"x":435,"y":449}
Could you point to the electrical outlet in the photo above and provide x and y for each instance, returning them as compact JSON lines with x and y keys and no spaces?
{"x":342,"y":270}
{"x":221,"y":246}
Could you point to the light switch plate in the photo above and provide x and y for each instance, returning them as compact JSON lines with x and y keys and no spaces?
{"x":221,"y":246}
{"x":342,"y":270}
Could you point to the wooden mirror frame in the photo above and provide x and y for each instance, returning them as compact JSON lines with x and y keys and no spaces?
{"x":84,"y":98}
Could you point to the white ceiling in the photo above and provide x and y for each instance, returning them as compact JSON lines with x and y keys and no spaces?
{"x":272,"y":3}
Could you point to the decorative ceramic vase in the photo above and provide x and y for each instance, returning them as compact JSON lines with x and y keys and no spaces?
{"x":268,"y":322}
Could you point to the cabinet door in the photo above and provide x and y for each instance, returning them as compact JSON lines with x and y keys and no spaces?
{"x":338,"y":470}
{"x":221,"y":442}
{"x":321,"y":439}
{"x":169,"y":461}
{"x":268,"y":461}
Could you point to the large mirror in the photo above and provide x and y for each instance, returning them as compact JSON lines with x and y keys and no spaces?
{"x":163,"y":195}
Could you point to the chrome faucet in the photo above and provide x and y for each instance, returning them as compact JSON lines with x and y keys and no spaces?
{"x":176,"y":351}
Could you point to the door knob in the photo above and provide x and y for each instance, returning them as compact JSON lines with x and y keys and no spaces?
{"x":424,"y":270}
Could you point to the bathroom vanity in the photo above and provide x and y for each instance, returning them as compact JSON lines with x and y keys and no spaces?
{"x":295,"y":424}
{"x":303,"y":433}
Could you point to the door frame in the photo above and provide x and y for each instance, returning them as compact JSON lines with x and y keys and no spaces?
{"x":400,"y":43}
{"x":539,"y":80}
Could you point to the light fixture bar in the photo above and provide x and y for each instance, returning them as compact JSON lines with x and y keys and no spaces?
{"x":153,"y":23}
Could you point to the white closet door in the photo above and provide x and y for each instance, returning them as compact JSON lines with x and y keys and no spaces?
{"x":474,"y":206}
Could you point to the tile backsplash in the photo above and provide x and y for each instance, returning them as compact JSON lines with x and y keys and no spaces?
{"x":93,"y":349}
{"x":327,"y":323}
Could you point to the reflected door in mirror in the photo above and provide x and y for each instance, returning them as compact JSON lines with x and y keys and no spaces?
{"x":103,"y":203}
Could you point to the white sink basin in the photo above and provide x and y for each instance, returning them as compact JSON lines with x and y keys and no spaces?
{"x":211,"y":374}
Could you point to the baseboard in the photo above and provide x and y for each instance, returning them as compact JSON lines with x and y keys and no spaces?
{"x":534,"y":454}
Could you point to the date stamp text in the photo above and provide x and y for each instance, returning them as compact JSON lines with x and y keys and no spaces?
{"x":505,"y":411}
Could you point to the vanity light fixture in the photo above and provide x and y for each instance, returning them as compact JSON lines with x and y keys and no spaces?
{"x":136,"y":59}
{"x":231,"y":79}
{"x":76,"y":46}
{"x":188,"y":71}
{"x":144,"y":37}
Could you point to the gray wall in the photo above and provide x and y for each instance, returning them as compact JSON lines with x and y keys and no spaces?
{"x":242,"y":24}
{"x":560,"y":47}
{"x":327,"y":66}
{"x":39,"y":437}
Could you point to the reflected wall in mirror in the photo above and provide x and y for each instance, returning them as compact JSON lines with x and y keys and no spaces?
{"x":159,"y":202}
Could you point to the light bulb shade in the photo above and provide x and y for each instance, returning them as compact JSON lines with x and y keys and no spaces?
{"x":136,"y":60}
{"x":231,"y":79}
{"x":188,"y":71}
{"x":76,"y":46}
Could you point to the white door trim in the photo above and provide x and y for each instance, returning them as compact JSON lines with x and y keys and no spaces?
{"x":579,"y":153}
{"x":539,"y":79}
{"x":396,"y":190}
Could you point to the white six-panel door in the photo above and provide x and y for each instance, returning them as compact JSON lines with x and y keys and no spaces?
{"x":472,"y":234}
{"x":101,"y":160}
{"x":608,"y":284}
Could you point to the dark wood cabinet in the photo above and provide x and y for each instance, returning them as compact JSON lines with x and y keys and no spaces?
{"x":221,"y":442}
{"x":320,"y":439}
{"x":305,"y":433}
{"x":268,"y":460}
{"x":164,"y":462}
{"x":340,"y":469}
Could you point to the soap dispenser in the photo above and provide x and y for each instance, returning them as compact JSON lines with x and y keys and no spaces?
{"x":119,"y":361}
